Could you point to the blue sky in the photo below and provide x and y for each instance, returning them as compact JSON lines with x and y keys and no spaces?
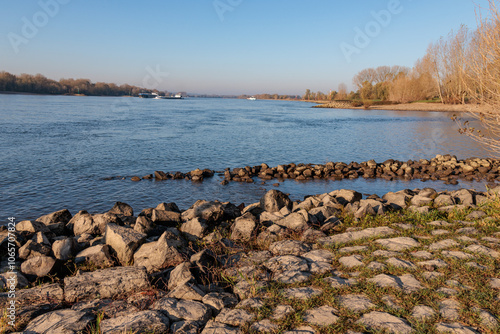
{"x":220,"y":46}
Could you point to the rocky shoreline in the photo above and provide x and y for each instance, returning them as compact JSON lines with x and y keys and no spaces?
{"x":446,"y":168}
{"x":413,"y":261}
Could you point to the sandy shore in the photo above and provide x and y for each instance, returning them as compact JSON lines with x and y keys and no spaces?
{"x":406,"y":106}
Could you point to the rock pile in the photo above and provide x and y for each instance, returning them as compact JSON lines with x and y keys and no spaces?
{"x":212,"y":267}
{"x":446,"y":168}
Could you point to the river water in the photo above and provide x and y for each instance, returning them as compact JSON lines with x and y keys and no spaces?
{"x":57,"y":151}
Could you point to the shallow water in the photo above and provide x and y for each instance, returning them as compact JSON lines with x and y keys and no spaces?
{"x":57,"y":150}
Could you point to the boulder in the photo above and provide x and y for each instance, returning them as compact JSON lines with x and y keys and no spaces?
{"x":38,"y":266}
{"x":64,"y":249}
{"x":158,"y":254}
{"x":294,"y":221}
{"x":60,"y":322}
{"x":464,"y":197}
{"x":274,"y":200}
{"x":346,"y":196}
{"x":398,"y":200}
{"x":168,"y":207}
{"x":211,"y":212}
{"x":61,"y":216}
{"x":137,"y":322}
{"x":31,"y":227}
{"x":124,"y":241}
{"x":105,"y":283}
{"x":144,"y":225}
{"x":103,"y":219}
{"x":178,"y":310}
{"x":43,"y":294}
{"x":122,"y":209}
{"x":32,"y":249}
{"x":163,"y":217}
{"x":82,"y":223}
{"x":180,"y":275}
{"x":244,"y":227}
{"x":194,"y":229}
{"x":98,"y":256}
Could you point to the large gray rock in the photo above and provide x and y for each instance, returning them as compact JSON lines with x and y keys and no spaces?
{"x":274,"y":200}
{"x":61,"y":216}
{"x":286,"y":263}
{"x":44,"y":294}
{"x":178,"y":310}
{"x":220,"y":300}
{"x":31,"y":227}
{"x":105,"y":283}
{"x":214,"y":327}
{"x":244,"y":227}
{"x":122,"y":209}
{"x":101,"y":220}
{"x":211,"y":212}
{"x":33,"y":249}
{"x":194,"y":229}
{"x":384,"y":321}
{"x":124,"y":241}
{"x":321,"y":316}
{"x":39,"y":266}
{"x":289,"y":247}
{"x":235,"y":317}
{"x":398,"y":200}
{"x":344,"y":196}
{"x":137,"y":322}
{"x":82,"y":223}
{"x":98,"y":256}
{"x":60,"y":322}
{"x":158,"y":254}
{"x":188,"y":291}
{"x":64,"y":249}
{"x":164,"y":217}
{"x":294,"y":221}
{"x":181,"y":275}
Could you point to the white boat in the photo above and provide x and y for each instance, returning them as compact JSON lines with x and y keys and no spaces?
{"x":252,"y":98}
{"x":175,"y":97}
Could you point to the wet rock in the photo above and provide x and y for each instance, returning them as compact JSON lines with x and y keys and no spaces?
{"x":178,"y":310}
{"x":98,"y":256}
{"x":38,"y":266}
{"x":105,"y":283}
{"x":274,"y":200}
{"x":124,"y":241}
{"x":157,"y":255}
{"x":149,"y":321}
{"x":122,"y":209}
{"x":60,"y":322}
{"x":384,"y":321}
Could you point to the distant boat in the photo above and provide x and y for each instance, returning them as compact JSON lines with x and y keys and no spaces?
{"x":148,"y":95}
{"x":252,"y":98}
{"x":175,"y":97}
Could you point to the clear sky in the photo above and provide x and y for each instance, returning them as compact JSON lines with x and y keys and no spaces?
{"x":221,"y":46}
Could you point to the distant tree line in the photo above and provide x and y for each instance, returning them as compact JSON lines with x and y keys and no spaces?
{"x":271,"y":97}
{"x":39,"y":84}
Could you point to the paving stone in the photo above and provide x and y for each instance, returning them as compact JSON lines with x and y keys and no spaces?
{"x":289,"y":247}
{"x":449,"y":309}
{"x":292,"y":276}
{"x":351,"y":261}
{"x":251,"y":303}
{"x":448,"y":292}
{"x":385,"y":253}
{"x":301,"y":330}
{"x":318,"y":255}
{"x":422,"y":255}
{"x":467,"y":230}
{"x":149,"y":321}
{"x":432,"y":264}
{"x":454,"y":328}
{"x":214,"y":327}
{"x":476,"y":265}
{"x":355,"y":303}
{"x":440,"y":232}
{"x":398,"y":263}
{"x":492,"y":240}
{"x":264,"y":326}
{"x":408,"y":283}
{"x":178,"y":310}
{"x":235,"y":317}
{"x":443,"y":244}
{"x":321,"y":316}
{"x":398,"y":244}
{"x":384,"y":321}
{"x":302,"y":293}
{"x":440,"y":223}
{"x":389,"y":301}
{"x":466,"y":239}
{"x":423,"y":313}
{"x":374,"y":265}
{"x":286,"y":263}
{"x":357,"y":235}
{"x":220,"y":300}
{"x":353,"y":249}
{"x":488,"y":320}
{"x":483,"y":250}
{"x":404,"y":226}
{"x":337,"y":282}
{"x":246,"y":289}
{"x":494,"y":283}
{"x":320,"y":267}
{"x":457,"y":255}
{"x":184,"y":327}
{"x":281,"y":311}
{"x":430,"y":275}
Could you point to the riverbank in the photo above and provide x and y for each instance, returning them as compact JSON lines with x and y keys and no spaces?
{"x":411,"y":261}
{"x":417,"y":106}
